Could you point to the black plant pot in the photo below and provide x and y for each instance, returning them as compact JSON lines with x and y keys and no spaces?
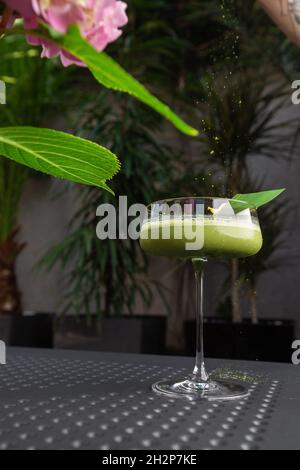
{"x":269,"y":340}
{"x":35,"y":331}
{"x":131,"y":334}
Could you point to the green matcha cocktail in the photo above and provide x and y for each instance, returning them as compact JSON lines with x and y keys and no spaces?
{"x":199,"y":229}
{"x":222,"y":238}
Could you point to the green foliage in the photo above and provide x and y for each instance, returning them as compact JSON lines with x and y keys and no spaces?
{"x":206,"y":58}
{"x":244,"y":104}
{"x":238,"y":120}
{"x":25,"y":76}
{"x":107,"y":276}
{"x":33,"y":90}
{"x":254,"y":200}
{"x":58,"y":154}
{"x":12,"y":179}
{"x":50,"y":152}
{"x":112,"y":75}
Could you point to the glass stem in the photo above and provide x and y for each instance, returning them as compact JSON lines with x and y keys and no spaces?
{"x":199,"y":372}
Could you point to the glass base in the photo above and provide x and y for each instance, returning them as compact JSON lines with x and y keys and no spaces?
{"x":193,"y":390}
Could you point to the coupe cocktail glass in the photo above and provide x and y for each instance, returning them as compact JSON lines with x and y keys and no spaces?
{"x":200,"y":229}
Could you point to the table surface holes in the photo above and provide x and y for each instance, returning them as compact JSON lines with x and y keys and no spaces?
{"x":50,"y":402}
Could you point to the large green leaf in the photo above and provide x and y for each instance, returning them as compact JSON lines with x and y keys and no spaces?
{"x":110,"y":74}
{"x":58,"y":154}
{"x":254,"y":200}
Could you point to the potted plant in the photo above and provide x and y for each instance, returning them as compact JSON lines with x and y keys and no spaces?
{"x":106,"y":277}
{"x":103,"y":286}
{"x":76,"y":39}
{"x":240,"y":101}
{"x":29,"y":88}
{"x":75,"y":44}
{"x":240,"y":124}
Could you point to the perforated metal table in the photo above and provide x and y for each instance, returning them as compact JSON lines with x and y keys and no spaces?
{"x":86,"y":400}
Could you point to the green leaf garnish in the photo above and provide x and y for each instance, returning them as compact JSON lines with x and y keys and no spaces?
{"x":254,"y":200}
{"x":111,"y":75}
{"x":59,"y":154}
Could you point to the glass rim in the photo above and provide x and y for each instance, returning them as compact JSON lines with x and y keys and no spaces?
{"x":161,"y":201}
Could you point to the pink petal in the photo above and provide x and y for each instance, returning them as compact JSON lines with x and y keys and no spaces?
{"x":49,"y":50}
{"x":62,"y":18}
{"x":68,"y":59}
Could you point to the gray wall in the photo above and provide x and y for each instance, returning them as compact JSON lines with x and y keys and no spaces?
{"x":44,"y":218}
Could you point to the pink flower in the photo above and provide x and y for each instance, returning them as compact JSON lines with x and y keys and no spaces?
{"x":60,"y":14}
{"x":99,"y":21}
{"x":102,"y":22}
